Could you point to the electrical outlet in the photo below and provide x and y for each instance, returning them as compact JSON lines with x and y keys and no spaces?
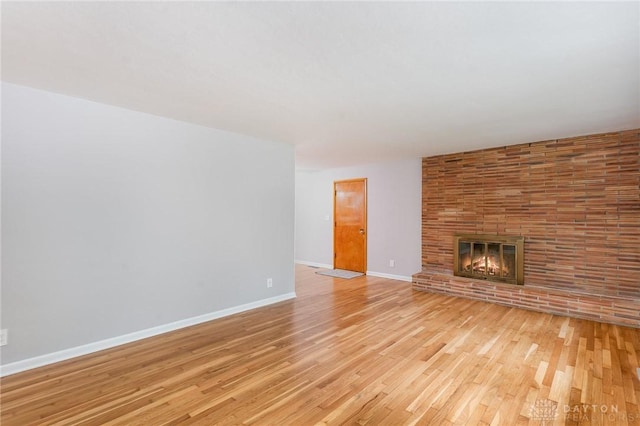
{"x":392,"y":263}
{"x":269,"y":282}
{"x":4,"y":335}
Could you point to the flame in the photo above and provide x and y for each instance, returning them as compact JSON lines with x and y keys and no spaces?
{"x":478,"y":266}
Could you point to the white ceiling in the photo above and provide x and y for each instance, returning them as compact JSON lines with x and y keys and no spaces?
{"x":346,"y":83}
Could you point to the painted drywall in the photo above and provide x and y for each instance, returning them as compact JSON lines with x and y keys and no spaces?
{"x":394,"y":216}
{"x":116,"y":221}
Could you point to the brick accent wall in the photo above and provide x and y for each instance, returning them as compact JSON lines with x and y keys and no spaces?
{"x":576,"y":202}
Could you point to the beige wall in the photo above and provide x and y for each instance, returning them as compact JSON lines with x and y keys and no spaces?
{"x":393,"y":216}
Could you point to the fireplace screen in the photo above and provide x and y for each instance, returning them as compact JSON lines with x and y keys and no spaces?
{"x":489,"y":257}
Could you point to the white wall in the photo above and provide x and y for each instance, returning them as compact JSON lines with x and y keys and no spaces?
{"x":394,"y":216}
{"x":116,"y":221}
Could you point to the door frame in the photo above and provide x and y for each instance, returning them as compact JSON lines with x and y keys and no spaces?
{"x":335,"y":223}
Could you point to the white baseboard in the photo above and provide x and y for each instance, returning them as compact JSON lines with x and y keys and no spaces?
{"x":316,"y":264}
{"x":39,"y":361}
{"x":389,"y":276}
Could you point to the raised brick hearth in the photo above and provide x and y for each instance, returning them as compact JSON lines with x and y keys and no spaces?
{"x":575,"y":201}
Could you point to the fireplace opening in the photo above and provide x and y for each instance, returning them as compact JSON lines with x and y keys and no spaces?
{"x":489,"y":257}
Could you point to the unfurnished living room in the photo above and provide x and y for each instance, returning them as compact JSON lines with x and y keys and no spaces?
{"x":320,"y":213}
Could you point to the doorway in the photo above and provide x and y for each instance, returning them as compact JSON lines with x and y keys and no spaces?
{"x":350,"y":225}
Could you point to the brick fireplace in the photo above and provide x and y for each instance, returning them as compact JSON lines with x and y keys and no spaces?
{"x":489,"y":257}
{"x":576,"y":204}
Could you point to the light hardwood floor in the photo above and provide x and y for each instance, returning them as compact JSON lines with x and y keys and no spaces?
{"x":366,"y":350}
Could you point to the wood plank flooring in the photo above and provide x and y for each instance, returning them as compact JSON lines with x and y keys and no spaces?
{"x":361,"y":351}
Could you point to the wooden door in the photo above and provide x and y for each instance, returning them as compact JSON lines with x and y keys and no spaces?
{"x":350,"y":222}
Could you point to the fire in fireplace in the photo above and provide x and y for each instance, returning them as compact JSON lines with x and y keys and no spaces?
{"x":489,"y":257}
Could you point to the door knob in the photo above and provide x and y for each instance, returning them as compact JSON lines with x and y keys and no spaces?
{"x":361,"y":231}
